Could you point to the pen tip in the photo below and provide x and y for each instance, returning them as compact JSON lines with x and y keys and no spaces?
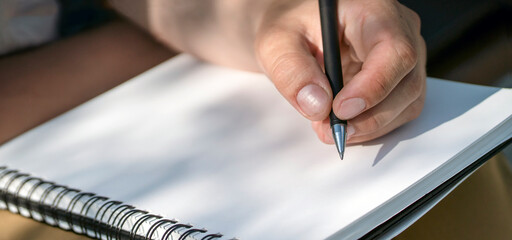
{"x":340,"y":152}
{"x":338,"y":131}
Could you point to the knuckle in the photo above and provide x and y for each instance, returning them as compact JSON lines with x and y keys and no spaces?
{"x":415,"y":109}
{"x":263,"y":43}
{"x":380,"y":89}
{"x":416,"y":90}
{"x":280,"y":71}
{"x":415,"y":85}
{"x":413,"y":17}
{"x":287,"y":71}
{"x":373,"y":123}
{"x":416,"y":19}
{"x":407,"y":54}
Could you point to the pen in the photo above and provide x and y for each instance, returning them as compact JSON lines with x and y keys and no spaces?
{"x":332,"y":62}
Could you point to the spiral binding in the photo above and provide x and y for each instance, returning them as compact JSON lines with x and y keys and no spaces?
{"x":87,"y":213}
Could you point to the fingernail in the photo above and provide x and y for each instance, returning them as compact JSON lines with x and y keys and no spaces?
{"x":350,"y":131}
{"x":351,"y":108}
{"x":312,"y":99}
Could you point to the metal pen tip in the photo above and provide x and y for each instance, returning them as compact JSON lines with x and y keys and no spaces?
{"x":339,"y":135}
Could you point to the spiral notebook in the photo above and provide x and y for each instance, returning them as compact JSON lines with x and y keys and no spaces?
{"x":196,"y":151}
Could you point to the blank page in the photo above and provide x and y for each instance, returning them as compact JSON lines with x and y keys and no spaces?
{"x":221,"y":149}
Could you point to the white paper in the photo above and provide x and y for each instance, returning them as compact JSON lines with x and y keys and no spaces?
{"x":221,"y":149}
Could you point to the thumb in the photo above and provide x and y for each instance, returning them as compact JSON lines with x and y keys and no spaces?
{"x":285,"y":56}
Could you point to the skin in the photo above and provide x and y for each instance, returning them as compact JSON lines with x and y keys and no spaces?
{"x":383,"y":54}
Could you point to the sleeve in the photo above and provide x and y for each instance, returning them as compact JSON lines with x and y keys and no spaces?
{"x":26,"y":23}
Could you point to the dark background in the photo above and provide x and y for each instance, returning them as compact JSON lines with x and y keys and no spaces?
{"x":467,"y":40}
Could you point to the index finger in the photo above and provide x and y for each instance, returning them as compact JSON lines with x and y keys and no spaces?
{"x":386,"y":63}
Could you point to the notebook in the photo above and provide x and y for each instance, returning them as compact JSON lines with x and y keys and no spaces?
{"x":188,"y":146}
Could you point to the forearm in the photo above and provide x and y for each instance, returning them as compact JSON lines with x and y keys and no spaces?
{"x":218,"y":31}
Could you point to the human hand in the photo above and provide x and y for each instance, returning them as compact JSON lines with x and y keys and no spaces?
{"x":382,"y":53}
{"x":383,"y":58}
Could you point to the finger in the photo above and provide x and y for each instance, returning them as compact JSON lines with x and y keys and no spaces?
{"x":409,"y":114}
{"x":381,"y":37}
{"x":386,"y":64}
{"x":411,"y":88}
{"x":323,"y":131}
{"x":286,"y":58}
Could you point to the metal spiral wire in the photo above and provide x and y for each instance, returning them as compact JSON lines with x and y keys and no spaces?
{"x":87,"y":213}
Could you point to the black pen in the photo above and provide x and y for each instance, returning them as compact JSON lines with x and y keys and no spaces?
{"x":332,"y":62}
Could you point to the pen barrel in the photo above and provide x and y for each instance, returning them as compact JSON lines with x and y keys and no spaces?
{"x":331,"y":49}
{"x":335,"y":120}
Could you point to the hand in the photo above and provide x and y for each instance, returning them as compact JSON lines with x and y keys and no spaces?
{"x":383,"y":54}
{"x":383,"y":58}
